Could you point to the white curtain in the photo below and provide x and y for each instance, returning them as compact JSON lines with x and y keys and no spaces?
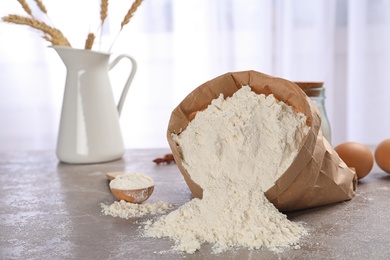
{"x":180,"y":44}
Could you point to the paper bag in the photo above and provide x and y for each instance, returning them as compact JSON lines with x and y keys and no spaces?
{"x":316,"y":177}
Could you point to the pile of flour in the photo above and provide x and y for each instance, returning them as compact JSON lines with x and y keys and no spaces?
{"x":235,"y":150}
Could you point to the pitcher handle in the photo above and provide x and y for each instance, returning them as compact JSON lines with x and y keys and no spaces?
{"x":129,"y":79}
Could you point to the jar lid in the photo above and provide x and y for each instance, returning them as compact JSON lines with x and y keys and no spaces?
{"x":312,"y":89}
{"x":303,"y":84}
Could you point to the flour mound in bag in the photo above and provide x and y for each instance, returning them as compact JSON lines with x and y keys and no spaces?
{"x":235,"y":150}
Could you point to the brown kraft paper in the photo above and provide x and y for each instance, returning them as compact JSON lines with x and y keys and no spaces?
{"x":316,"y":177}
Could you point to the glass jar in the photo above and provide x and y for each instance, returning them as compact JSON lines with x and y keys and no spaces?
{"x":316,"y":92}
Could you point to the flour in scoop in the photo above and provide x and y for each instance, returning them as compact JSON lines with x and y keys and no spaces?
{"x":131,"y":181}
{"x":235,"y":150}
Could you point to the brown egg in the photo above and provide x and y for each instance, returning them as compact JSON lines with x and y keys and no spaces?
{"x":356,"y":155}
{"x":382,"y":155}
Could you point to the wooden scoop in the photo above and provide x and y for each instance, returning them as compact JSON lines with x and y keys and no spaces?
{"x":133,"y":196}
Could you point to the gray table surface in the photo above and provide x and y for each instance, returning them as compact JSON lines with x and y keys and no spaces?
{"x":50,"y":210}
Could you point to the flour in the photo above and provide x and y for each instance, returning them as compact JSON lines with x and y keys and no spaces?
{"x":131,"y":181}
{"x":128,"y":210}
{"x":235,"y":150}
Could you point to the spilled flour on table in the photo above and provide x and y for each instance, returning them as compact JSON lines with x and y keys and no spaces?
{"x":235,"y":150}
{"x":128,"y":210}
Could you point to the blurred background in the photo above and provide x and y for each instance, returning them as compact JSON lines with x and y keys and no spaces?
{"x":180,"y":44}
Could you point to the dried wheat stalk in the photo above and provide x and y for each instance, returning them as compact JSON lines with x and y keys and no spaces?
{"x":127,"y":18}
{"x":51,"y":34}
{"x":131,"y":12}
{"x":41,"y":6}
{"x":89,"y":41}
{"x":25,"y":7}
{"x":54,"y":35}
{"x":103,"y":16}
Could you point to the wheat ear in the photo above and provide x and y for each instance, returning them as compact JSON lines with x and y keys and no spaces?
{"x":41,"y":6}
{"x":25,"y":7}
{"x":89,"y":41}
{"x":103,"y":11}
{"x":131,"y":12}
{"x":53,"y":35}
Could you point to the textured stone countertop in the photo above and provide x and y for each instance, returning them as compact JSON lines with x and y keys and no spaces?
{"x":50,"y":210}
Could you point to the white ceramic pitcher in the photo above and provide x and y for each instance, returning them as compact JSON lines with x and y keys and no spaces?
{"x":89,"y":127}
